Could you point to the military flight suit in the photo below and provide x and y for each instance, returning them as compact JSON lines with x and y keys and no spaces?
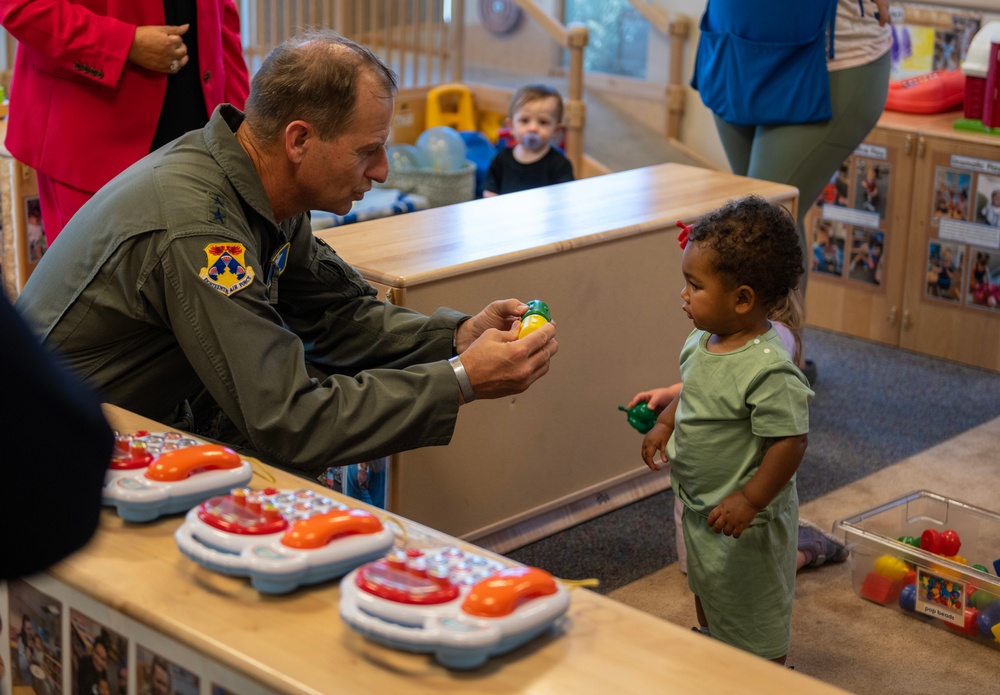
{"x":175,"y":279}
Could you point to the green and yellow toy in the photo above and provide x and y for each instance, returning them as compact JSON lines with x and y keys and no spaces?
{"x":534,"y":318}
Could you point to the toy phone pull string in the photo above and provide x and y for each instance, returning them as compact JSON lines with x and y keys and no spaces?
{"x":257,"y":470}
{"x":591,"y":583}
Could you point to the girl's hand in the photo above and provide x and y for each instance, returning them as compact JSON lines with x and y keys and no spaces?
{"x":732,"y":515}
{"x":655,"y":441}
{"x":656,"y":399}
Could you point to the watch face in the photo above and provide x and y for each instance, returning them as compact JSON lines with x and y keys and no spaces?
{"x":500,"y":16}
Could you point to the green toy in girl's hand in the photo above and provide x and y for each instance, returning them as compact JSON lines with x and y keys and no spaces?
{"x":640,"y":416}
{"x":534,"y":318}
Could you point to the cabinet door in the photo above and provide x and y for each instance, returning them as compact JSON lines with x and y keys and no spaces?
{"x":951,"y":302}
{"x":857,"y":239}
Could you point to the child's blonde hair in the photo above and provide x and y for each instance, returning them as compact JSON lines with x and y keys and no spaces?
{"x":534,"y":92}
{"x":790,"y":312}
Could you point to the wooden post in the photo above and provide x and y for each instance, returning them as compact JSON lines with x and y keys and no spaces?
{"x":577,"y":38}
{"x":456,"y":41}
{"x":680,"y":28}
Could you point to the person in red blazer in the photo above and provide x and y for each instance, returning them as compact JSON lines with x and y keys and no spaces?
{"x":98,"y":84}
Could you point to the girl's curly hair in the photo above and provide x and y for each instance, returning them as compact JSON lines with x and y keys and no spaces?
{"x":756,"y":243}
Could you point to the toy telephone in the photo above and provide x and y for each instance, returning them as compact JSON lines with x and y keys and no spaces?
{"x":152,"y":474}
{"x":460,"y":606}
{"x":933,"y":92}
{"x":281,"y":539}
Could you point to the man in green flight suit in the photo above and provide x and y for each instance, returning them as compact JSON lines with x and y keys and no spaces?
{"x":192,"y":291}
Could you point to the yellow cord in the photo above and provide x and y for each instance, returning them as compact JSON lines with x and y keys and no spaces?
{"x":591,"y":583}
{"x":262,"y":473}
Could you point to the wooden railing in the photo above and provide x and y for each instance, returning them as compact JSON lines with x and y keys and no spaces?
{"x":414,"y":36}
{"x":422,"y":45}
{"x":677,"y":29}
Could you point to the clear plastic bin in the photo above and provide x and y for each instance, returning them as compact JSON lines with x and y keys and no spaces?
{"x":956,"y":587}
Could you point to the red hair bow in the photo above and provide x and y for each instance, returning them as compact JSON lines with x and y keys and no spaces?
{"x":682,"y":238}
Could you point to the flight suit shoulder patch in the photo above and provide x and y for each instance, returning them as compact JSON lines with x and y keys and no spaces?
{"x":226,"y":269}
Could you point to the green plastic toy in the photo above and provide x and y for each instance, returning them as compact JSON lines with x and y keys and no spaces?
{"x":534,"y":318}
{"x":640,"y":417}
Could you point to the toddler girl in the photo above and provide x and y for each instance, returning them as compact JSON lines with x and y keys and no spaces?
{"x":737,"y":431}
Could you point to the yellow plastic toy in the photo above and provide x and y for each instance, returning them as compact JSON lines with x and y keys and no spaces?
{"x":450,"y":105}
{"x":891,"y":567}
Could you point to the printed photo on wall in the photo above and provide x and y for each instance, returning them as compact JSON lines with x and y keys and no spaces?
{"x":944,"y":270}
{"x":99,"y":657}
{"x":951,"y":194}
{"x":988,"y":200}
{"x":837,"y":190}
{"x":828,"y":247}
{"x":157,"y":676}
{"x":867,"y":248}
{"x":35,"y":231}
{"x":872,"y":190}
{"x":984,"y":278}
{"x":35,"y":640}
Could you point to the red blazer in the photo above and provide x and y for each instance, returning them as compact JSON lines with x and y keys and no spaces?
{"x":80,"y":113}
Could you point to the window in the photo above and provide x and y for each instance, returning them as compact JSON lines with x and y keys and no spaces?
{"x":618,"y":36}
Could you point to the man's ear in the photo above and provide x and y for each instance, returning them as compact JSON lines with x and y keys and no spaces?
{"x":297,"y":136}
{"x":746,"y":298}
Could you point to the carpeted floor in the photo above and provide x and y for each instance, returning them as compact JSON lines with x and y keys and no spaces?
{"x":874,"y":406}
{"x":854,"y":644}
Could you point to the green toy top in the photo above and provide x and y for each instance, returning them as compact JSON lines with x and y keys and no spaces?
{"x":537,"y":306}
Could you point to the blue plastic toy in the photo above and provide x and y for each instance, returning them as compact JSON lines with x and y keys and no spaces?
{"x":444,"y":148}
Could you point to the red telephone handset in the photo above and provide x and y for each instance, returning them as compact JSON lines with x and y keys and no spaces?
{"x":500,"y":595}
{"x":179,"y":464}
{"x":319,"y":530}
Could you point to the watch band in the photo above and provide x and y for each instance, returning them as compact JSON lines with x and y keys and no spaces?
{"x":464,"y":385}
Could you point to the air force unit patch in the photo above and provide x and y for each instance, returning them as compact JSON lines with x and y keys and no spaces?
{"x":227,"y":270}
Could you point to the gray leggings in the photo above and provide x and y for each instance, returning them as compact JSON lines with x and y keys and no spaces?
{"x":807,"y":155}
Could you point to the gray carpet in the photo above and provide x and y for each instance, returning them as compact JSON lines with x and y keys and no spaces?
{"x":874,"y":406}
{"x":861,"y":646}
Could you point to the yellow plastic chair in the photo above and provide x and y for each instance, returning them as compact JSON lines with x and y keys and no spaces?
{"x":450,"y":105}
{"x":490,"y":123}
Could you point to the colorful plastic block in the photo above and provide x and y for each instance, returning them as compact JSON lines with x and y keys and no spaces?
{"x":880,"y":589}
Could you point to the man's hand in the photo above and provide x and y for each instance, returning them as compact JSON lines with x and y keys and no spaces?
{"x":497,"y":363}
{"x":160,"y":49}
{"x":500,"y":314}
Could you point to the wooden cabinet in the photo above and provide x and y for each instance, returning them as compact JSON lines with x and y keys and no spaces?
{"x":918,"y":266}
{"x":603,"y":253}
{"x":22,"y":241}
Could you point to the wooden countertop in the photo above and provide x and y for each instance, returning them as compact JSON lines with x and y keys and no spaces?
{"x":428,"y":245}
{"x":936,"y":124}
{"x":298,"y":643}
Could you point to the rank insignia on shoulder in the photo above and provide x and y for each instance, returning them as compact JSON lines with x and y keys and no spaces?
{"x":226,"y":269}
{"x":216,"y":208}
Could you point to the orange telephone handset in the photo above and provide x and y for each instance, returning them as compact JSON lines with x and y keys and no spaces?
{"x":179,"y":464}
{"x":498,"y":596}
{"x":319,"y":530}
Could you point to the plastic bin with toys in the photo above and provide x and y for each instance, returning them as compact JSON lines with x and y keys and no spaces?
{"x":931,"y":557}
